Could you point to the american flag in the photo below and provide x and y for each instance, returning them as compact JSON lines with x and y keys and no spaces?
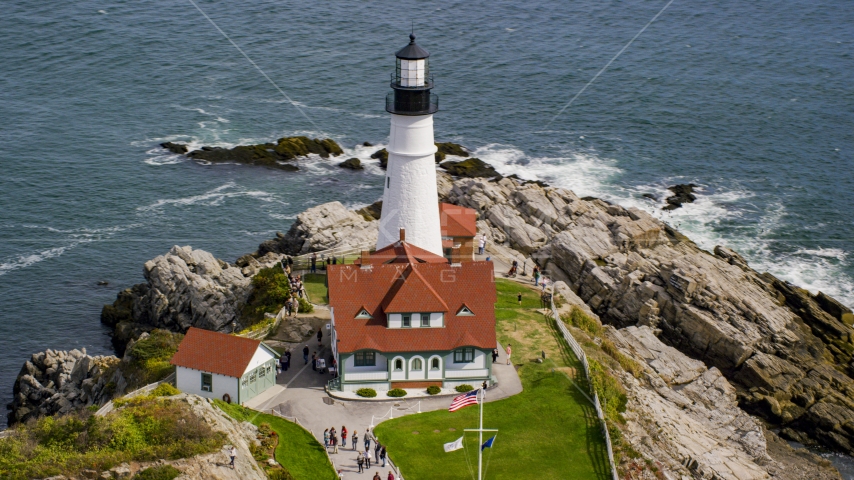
{"x":464,"y":400}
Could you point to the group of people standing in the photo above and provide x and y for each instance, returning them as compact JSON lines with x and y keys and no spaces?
{"x":363,"y":457}
{"x":297,"y":287}
{"x":331,"y":260}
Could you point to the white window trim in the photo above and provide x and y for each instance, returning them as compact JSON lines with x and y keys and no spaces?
{"x":412,"y":364}
{"x":394,"y":362}
{"x":435,"y":357}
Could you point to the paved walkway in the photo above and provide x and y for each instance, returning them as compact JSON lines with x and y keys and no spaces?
{"x":300,"y":392}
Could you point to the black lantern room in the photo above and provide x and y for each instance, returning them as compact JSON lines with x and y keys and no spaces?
{"x":412,"y":83}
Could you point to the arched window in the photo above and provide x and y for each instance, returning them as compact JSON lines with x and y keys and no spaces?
{"x":416,"y":364}
{"x":398,"y":364}
{"x":434,"y":364}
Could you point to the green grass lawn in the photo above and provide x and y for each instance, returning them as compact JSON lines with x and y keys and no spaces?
{"x":315,"y":286}
{"x":298,"y":451}
{"x":549,"y":431}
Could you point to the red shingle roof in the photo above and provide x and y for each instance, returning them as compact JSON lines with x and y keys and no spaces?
{"x":457,"y":221}
{"x":352,"y":288}
{"x":215,"y":352}
{"x":402,"y":252}
{"x":412,"y":293}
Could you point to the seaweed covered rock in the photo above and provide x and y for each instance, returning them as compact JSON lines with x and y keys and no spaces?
{"x":372,"y":212}
{"x":272,"y":155}
{"x":470,"y":168}
{"x":681,"y":194}
{"x":446,"y":148}
{"x":449,"y":148}
{"x":382,"y":156}
{"x":352,"y":164}
{"x":178,"y":148}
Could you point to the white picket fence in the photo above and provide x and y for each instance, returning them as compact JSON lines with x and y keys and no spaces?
{"x":582,"y":357}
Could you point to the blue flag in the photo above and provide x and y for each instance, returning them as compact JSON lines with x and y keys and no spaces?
{"x":487,"y":443}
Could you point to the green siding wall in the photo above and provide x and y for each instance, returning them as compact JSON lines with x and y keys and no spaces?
{"x":256,"y":381}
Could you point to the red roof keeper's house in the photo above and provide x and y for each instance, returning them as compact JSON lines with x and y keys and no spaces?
{"x":406,"y":318}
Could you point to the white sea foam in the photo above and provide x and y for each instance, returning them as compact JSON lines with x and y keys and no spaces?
{"x":211,"y":198}
{"x":282,"y":216}
{"x":28,"y":259}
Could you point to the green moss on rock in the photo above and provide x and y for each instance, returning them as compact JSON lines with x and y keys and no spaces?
{"x":271,"y":155}
{"x":352,"y":164}
{"x":449,"y":148}
{"x":382,"y":156}
{"x":472,"y":168}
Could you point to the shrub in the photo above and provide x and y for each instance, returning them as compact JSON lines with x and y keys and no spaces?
{"x":265,"y":430}
{"x":464,"y":388}
{"x":165,"y":390}
{"x":579,"y":319}
{"x":366,"y":392}
{"x":259,"y":453}
{"x":625,"y":362}
{"x":611,"y":393}
{"x":305,"y":306}
{"x":270,"y":291}
{"x":160,"y":472}
{"x":151,"y":355}
{"x":433,"y":389}
{"x":396,"y":392}
{"x":144,"y":429}
{"x":279,"y":474}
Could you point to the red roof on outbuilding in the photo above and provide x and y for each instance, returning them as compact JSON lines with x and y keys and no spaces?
{"x":215,"y":352}
{"x":457,"y":221}
{"x":472,"y":284}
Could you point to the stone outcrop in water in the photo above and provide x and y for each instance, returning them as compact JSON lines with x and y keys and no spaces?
{"x":352,"y":164}
{"x":785,"y":355}
{"x":184,"y":288}
{"x":272,"y":155}
{"x":681,"y":194}
{"x":472,"y":168}
{"x":444,"y":149}
{"x":449,"y":148}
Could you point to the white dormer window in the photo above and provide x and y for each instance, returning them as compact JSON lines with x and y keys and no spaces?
{"x":425,"y":319}
{"x":363,"y":314}
{"x":465,"y":312}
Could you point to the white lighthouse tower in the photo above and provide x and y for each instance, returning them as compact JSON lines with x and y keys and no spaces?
{"x":410,"y":200}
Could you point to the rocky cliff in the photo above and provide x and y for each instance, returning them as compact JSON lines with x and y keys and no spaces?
{"x":786,"y":353}
{"x":58,"y":382}
{"x":184,"y":288}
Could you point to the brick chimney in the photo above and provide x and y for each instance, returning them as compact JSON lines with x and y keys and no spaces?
{"x":456,"y":257}
{"x":366,"y":259}
{"x":402,"y":234}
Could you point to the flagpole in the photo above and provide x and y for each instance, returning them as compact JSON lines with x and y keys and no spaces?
{"x":480,"y":440}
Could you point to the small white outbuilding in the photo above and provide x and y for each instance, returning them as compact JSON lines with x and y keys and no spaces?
{"x":218,"y":365}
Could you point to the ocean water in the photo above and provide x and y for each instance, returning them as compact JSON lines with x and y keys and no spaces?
{"x":753,"y":101}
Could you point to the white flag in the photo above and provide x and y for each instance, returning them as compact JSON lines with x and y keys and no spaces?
{"x":455,"y":445}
